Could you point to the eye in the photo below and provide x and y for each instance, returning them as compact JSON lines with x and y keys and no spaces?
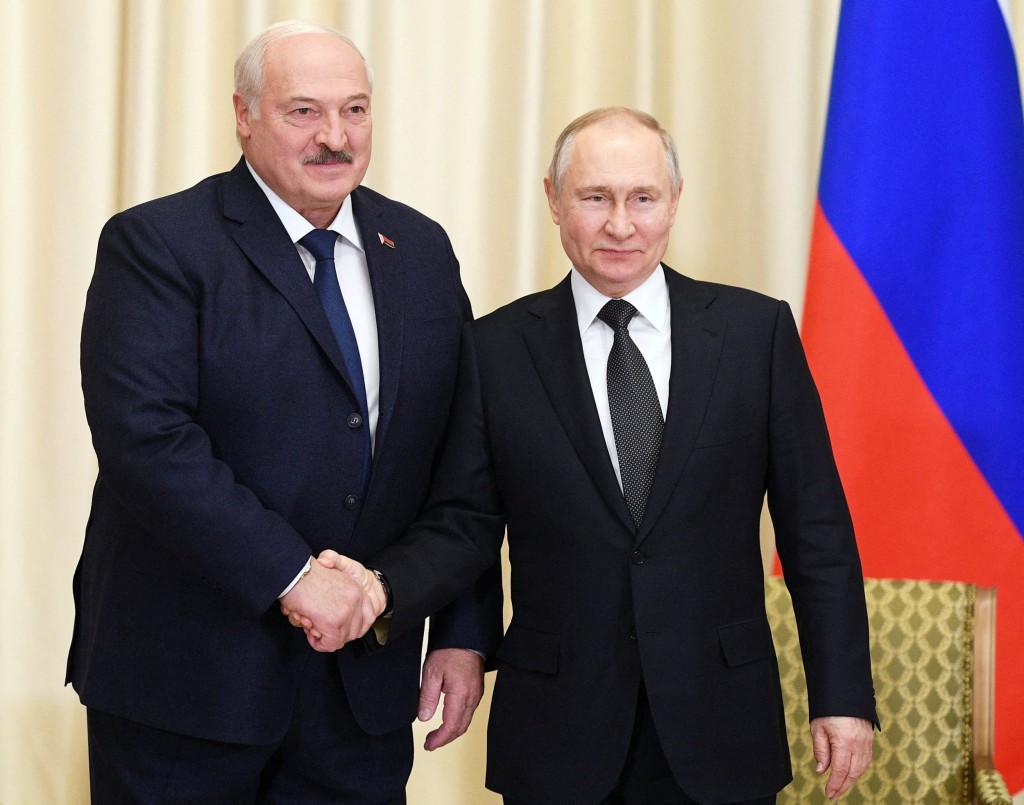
{"x":303,"y":113}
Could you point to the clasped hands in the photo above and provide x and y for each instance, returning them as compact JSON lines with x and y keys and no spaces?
{"x":339,"y":600}
{"x":335,"y":603}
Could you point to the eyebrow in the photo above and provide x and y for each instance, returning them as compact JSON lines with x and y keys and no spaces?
{"x":606,"y":190}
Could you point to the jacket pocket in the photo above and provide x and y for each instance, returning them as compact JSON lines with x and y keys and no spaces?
{"x":746,"y":641}
{"x":529,"y":650}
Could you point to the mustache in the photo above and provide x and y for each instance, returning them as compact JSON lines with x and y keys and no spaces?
{"x":327,"y":157}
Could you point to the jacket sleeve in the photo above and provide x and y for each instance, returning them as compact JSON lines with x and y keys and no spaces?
{"x":140,"y":379}
{"x":457,"y":541}
{"x":815,"y":538}
{"x":474,"y":619}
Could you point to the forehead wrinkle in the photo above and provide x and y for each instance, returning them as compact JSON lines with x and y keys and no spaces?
{"x":356,"y":96}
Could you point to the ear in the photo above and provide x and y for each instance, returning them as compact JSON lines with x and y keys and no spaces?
{"x":549,"y":191}
{"x":242,"y":115}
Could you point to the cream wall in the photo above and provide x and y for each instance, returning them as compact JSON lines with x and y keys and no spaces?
{"x":107,"y":103}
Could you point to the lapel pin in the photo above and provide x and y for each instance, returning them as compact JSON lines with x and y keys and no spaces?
{"x":386,"y":241}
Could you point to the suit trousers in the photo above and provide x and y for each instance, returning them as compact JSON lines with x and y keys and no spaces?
{"x":324,"y":757}
{"x":646,"y":778}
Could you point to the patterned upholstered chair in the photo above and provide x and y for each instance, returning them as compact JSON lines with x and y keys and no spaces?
{"x":932,"y":650}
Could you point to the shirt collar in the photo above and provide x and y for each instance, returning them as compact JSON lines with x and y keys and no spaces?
{"x":650,"y":299}
{"x":298,"y":227}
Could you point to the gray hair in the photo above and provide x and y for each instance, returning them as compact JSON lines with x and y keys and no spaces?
{"x":249,"y":65}
{"x":567,"y":140}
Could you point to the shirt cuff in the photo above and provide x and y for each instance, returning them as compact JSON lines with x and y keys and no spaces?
{"x":308,"y":566}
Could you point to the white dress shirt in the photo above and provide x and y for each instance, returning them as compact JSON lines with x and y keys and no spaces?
{"x":650,"y":329}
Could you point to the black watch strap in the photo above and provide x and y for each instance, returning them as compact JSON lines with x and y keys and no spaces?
{"x":389,"y":605}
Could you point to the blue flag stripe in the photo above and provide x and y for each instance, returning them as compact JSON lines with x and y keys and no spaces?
{"x":923,"y":182}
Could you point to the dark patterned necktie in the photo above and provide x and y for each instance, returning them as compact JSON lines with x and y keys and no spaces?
{"x":637,"y":421}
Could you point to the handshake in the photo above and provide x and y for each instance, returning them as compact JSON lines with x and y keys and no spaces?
{"x":336,"y":602}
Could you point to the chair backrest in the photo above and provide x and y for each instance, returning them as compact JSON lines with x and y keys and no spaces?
{"x":922,"y":656}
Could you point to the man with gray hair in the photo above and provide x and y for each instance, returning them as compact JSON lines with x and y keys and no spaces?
{"x":625,"y":427}
{"x":268,"y":362}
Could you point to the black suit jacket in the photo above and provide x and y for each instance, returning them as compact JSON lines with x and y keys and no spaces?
{"x":218,"y":403}
{"x":597,"y":606}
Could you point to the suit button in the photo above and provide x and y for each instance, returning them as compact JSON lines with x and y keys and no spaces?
{"x":638,"y":557}
{"x":351,"y":501}
{"x":632,"y":633}
{"x":355,"y":420}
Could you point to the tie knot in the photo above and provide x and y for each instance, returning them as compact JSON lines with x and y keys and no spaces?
{"x":320,"y":243}
{"x":616,"y":314}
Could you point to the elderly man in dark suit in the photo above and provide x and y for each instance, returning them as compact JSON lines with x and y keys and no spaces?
{"x":248,"y":412}
{"x":626,"y":426}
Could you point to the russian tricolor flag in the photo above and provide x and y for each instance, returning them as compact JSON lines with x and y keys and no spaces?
{"x":914,"y":317}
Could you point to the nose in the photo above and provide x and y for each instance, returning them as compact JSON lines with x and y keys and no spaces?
{"x":332,"y":133}
{"x":619,"y":225}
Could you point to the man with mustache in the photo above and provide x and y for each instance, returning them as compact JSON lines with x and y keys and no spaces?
{"x":268,"y":362}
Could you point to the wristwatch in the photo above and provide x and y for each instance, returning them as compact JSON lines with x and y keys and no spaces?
{"x":389,"y":603}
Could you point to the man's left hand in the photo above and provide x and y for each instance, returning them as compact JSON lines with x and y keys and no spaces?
{"x":843,"y":744}
{"x":458,"y":673}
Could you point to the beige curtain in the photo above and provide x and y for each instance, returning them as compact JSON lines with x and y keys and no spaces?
{"x":107,"y":103}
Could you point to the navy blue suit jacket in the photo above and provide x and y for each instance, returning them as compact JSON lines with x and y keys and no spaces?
{"x":599,"y":606}
{"x":218,"y":403}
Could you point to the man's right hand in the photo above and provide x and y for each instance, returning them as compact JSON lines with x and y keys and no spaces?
{"x":334,"y":606}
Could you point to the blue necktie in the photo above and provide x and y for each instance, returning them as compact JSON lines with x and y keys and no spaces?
{"x":320,"y":243}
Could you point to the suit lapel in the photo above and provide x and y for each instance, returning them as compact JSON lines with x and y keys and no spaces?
{"x":553,"y":340}
{"x":385,"y":265}
{"x":697,"y":337}
{"x":264,"y":240}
